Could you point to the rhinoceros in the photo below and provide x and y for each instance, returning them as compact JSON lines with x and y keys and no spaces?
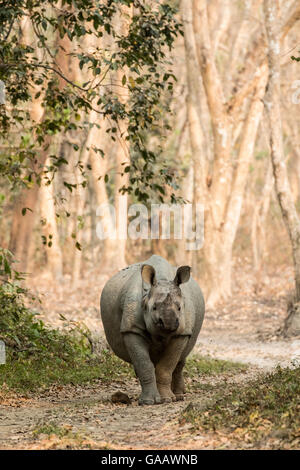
{"x":152,"y":314}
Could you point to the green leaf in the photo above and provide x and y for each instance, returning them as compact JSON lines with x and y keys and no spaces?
{"x":7,"y":269}
{"x":132,"y":82}
{"x":25,"y":209}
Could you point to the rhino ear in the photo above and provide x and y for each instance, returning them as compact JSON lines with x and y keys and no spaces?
{"x":148,"y":274}
{"x":182,"y":275}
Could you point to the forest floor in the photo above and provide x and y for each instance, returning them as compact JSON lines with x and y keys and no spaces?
{"x":245,"y":329}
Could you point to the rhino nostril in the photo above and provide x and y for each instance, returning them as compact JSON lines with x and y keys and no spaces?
{"x":167,"y":326}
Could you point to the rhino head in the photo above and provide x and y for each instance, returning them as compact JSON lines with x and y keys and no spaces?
{"x":163,"y":304}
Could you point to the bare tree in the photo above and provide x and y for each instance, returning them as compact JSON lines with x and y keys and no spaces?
{"x":219,"y":184}
{"x":283,"y":191}
{"x":24,"y":213}
{"x":234,"y":103}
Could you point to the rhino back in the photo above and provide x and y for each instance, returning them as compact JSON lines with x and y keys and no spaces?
{"x":163,"y":269}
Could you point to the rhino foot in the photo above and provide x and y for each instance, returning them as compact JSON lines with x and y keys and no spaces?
{"x":167,"y":399}
{"x":179,"y":396}
{"x":166,"y":393}
{"x":150,"y":400}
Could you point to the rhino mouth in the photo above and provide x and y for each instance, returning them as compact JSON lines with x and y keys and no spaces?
{"x":167,"y":327}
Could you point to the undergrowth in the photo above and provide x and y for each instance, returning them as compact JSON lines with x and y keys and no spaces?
{"x":198,"y":365}
{"x":38,"y":355}
{"x":264,"y":410}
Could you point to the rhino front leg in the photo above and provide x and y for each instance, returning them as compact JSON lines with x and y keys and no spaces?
{"x":167,"y":365}
{"x":138,"y":350}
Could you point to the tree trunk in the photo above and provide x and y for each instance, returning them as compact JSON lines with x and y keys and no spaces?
{"x":122,"y":156}
{"x":101,"y":139}
{"x":80,"y":201}
{"x":282,"y":186}
{"x":246,"y":151}
{"x":258,"y":226}
{"x":23,"y":222}
{"x":48,"y":214}
{"x":220,"y":121}
{"x":24,"y":211}
{"x":195,"y":121}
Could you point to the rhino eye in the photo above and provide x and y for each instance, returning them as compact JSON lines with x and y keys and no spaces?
{"x":154,"y":307}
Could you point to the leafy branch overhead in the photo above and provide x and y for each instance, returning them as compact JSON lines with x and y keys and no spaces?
{"x":140,"y":53}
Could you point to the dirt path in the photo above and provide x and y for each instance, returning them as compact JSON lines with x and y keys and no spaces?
{"x":85,"y":417}
{"x":264,"y":355}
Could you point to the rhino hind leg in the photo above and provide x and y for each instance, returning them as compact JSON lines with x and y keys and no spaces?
{"x":178,"y":387}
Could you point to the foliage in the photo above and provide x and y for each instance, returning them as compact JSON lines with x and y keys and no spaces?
{"x":38,"y":355}
{"x":265,"y":408}
{"x":140,"y":54}
{"x":51,"y":428}
{"x":197,"y":366}
{"x":6,"y":266}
